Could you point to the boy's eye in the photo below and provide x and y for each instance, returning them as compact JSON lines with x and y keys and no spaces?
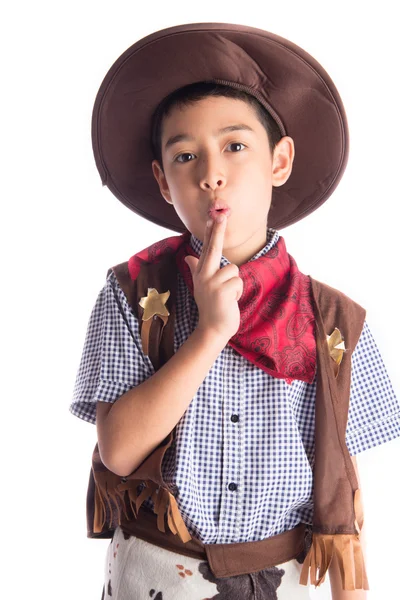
{"x":178,"y":158}
{"x":236,"y":144}
{"x":188,"y":156}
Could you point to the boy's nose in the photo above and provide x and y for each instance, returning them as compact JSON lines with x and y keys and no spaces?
{"x":212,"y":183}
{"x":212,"y":179}
{"x":211,"y":173}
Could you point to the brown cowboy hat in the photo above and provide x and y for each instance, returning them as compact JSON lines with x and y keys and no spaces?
{"x":290,"y":83}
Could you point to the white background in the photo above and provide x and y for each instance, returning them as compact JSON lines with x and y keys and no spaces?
{"x":61,"y":231}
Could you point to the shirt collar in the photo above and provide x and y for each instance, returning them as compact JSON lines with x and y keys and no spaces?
{"x":272,"y":240}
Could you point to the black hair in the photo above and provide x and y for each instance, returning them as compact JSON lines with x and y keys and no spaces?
{"x":198,"y":91}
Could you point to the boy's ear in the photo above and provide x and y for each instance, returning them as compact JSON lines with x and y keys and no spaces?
{"x":282,"y":161}
{"x":161,"y":180}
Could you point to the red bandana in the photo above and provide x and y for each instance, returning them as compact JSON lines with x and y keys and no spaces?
{"x":276,"y":331}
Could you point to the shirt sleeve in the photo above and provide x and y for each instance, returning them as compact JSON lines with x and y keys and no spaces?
{"x":374,"y":412}
{"x":112,"y":360}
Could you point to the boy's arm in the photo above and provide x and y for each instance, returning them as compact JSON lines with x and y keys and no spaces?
{"x":334,"y":574}
{"x":140,"y":419}
{"x":129,"y":429}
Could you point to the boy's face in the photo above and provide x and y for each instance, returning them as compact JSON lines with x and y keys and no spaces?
{"x":208,"y":165}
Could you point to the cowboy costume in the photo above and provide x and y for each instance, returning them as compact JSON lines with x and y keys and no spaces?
{"x":297,"y":361}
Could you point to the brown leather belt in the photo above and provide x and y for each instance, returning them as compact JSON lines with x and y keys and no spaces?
{"x":225,"y":560}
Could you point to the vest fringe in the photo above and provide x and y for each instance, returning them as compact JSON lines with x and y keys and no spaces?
{"x":177,"y":521}
{"x":107,"y":495}
{"x":109,"y":491}
{"x":165,"y":505}
{"x":347,"y":549}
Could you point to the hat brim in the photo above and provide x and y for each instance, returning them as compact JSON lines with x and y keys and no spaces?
{"x":287,"y":80}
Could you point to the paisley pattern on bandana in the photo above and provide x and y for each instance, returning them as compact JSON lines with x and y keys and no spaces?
{"x":277,"y":325}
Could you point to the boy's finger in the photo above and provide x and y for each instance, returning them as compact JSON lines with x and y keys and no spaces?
{"x":206,"y":239}
{"x":212,"y":260}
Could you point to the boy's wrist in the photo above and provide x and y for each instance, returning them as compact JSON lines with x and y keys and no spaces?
{"x":210,"y":338}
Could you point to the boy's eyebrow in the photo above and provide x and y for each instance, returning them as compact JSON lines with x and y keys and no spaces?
{"x":184,"y":137}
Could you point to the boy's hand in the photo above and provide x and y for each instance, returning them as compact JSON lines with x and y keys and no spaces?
{"x":216,"y":290}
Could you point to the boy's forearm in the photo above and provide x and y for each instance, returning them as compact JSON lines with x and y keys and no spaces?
{"x":140,"y":419}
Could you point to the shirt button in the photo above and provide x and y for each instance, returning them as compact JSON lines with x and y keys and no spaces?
{"x":232,"y":487}
{"x":234,"y":418}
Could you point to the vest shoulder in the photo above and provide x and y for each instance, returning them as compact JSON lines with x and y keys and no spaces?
{"x":338,"y":310}
{"x":127,"y":285}
{"x":329,"y":293}
{"x":121,"y":268}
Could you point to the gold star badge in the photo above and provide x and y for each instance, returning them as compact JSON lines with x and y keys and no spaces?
{"x":336,"y":347}
{"x":154,"y":304}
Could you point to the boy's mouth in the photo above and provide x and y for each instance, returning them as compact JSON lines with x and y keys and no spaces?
{"x":219,"y":208}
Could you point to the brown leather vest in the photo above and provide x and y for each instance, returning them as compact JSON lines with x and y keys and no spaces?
{"x":113,"y":500}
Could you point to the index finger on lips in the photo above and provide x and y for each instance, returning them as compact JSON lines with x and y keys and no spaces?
{"x":206,"y":239}
{"x":212,"y":259}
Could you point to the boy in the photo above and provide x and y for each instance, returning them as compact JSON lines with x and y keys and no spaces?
{"x":248,"y":367}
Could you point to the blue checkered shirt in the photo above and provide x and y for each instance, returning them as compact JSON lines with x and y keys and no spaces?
{"x":241,"y":464}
